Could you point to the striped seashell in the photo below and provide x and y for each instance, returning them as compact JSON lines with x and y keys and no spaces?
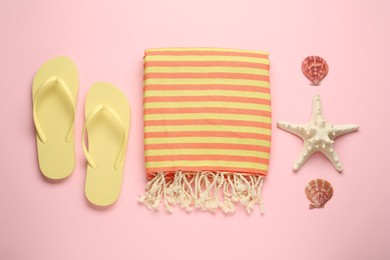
{"x":315,"y":69}
{"x":319,"y":192}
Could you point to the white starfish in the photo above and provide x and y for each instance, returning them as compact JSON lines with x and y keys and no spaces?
{"x":318,"y":136}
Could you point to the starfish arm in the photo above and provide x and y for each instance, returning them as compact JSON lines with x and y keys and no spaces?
{"x":316,"y":108}
{"x":303,"y":156}
{"x":296,"y":129}
{"x":331,"y":154}
{"x":343,"y":129}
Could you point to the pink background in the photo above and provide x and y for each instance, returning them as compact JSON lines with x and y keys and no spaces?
{"x":41,"y":220}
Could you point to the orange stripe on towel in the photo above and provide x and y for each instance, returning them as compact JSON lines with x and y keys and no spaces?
{"x":207,"y":134}
{"x":224,"y":122}
{"x":238,"y":111}
{"x":207,"y":87}
{"x":171,"y":170}
{"x":241,"y":64}
{"x":219,"y":75}
{"x":244,"y":147}
{"x":208,"y":53}
{"x":208,"y":98}
{"x":197,"y":157}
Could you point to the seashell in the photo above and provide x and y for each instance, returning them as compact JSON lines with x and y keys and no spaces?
{"x":315,"y":69}
{"x":319,"y":192}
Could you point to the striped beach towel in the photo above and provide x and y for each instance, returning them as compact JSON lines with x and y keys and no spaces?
{"x":207,"y":127}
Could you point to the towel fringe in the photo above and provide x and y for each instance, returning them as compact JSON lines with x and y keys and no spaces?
{"x":205,"y":190}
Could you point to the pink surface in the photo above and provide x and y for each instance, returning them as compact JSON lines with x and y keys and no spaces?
{"x":41,"y":220}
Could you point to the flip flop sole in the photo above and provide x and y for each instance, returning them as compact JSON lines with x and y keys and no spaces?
{"x":105,"y":136}
{"x":56,"y":157}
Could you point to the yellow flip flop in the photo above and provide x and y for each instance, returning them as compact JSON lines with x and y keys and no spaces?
{"x":107,"y":121}
{"x":54,"y":92}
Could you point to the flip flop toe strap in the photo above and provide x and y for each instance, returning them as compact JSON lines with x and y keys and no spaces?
{"x":99,"y":109}
{"x":54,"y":81}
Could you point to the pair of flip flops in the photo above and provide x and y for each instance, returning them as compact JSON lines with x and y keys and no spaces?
{"x":107,"y":120}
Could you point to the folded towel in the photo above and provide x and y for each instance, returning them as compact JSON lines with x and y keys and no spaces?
{"x":207,"y":114}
